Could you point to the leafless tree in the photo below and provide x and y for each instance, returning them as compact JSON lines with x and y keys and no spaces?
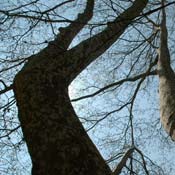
{"x":39,"y":63}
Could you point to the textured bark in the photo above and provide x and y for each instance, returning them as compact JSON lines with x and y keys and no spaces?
{"x":166,"y":82}
{"x":56,"y":140}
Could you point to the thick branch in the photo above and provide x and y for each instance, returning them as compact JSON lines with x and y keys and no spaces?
{"x":122,"y":163}
{"x":85,"y":52}
{"x":164,"y":56}
{"x":68,"y":33}
{"x":166,"y":81}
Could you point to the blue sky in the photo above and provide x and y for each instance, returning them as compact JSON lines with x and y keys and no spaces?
{"x":109,"y":134}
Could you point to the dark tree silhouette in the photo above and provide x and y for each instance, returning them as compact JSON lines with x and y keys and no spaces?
{"x":56,"y":140}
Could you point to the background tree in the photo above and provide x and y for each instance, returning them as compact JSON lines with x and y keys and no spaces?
{"x":166,"y":80}
{"x":130,"y":61}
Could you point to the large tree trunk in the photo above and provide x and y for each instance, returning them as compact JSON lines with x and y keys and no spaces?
{"x":56,"y":140}
{"x":166,"y":81}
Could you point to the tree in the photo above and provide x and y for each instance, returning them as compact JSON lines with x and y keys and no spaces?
{"x":56,"y":139}
{"x":167,"y":80}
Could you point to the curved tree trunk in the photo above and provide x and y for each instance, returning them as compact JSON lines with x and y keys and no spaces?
{"x":166,"y":81}
{"x":56,"y":139}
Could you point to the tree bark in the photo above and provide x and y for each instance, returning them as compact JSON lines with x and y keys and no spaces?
{"x":166,"y":81}
{"x":56,"y":139}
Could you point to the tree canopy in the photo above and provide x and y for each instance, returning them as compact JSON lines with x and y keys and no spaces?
{"x":114,"y":86}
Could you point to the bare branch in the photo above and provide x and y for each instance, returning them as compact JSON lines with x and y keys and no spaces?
{"x":122,"y":163}
{"x":143,"y":159}
{"x":68,"y":33}
{"x":10,"y":131}
{"x":130,"y":79}
{"x":93,"y":47}
{"x":157,"y":9}
{"x":6,"y":89}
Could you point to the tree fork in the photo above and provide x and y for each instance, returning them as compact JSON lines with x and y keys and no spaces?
{"x":56,"y":139}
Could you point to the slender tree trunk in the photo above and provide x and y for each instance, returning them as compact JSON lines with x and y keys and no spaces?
{"x":166,"y":81}
{"x":56,"y":139}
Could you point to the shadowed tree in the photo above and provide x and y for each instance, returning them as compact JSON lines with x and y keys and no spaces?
{"x":166,"y":81}
{"x":56,"y":139}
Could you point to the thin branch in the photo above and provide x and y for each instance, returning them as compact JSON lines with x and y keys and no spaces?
{"x":144,"y":162}
{"x":1,"y":81}
{"x":23,"y":5}
{"x":120,"y":82}
{"x":157,"y":9}
{"x":56,"y":6}
{"x":122,"y":163}
{"x":34,"y":17}
{"x":108,"y":114}
{"x":6,"y":89}
{"x":10,"y":131}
